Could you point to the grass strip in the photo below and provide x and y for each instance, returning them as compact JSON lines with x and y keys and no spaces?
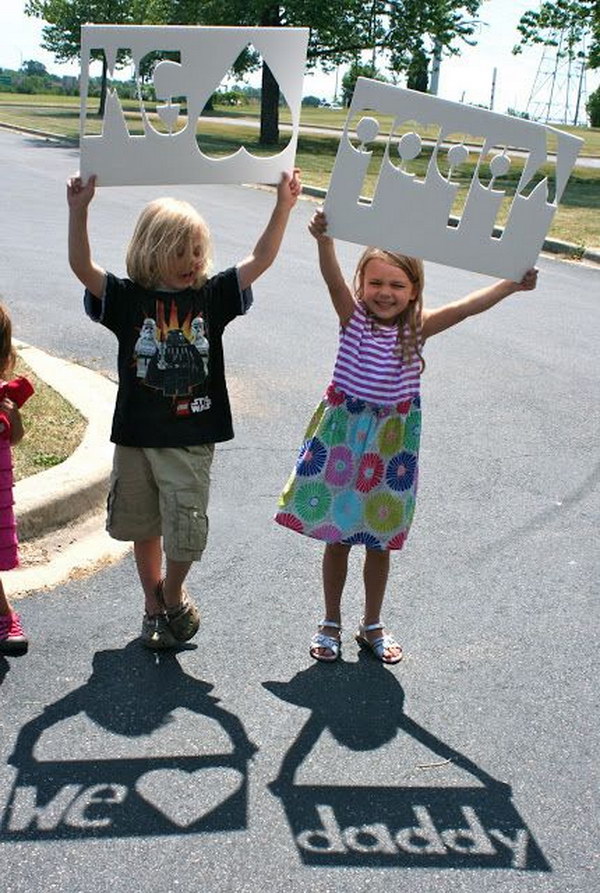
{"x":53,"y":428}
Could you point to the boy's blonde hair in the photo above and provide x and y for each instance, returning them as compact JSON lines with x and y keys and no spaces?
{"x":409,"y":321}
{"x":165,"y":228}
{"x":8,"y":354}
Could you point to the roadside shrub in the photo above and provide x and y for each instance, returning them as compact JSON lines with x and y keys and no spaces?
{"x":593,"y":108}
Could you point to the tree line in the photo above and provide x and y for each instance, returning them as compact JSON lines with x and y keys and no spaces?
{"x":403,"y":37}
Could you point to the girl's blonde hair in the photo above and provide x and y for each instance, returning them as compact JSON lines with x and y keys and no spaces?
{"x":166,"y":229}
{"x":409,"y":321}
{"x":8,"y":354}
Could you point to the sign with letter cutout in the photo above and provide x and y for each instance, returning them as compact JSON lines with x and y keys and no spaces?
{"x":167,"y":152}
{"x":411,"y":210}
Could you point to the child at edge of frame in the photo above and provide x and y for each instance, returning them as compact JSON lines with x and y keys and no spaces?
{"x":172,"y":404}
{"x":13,"y":393}
{"x":355,"y":480}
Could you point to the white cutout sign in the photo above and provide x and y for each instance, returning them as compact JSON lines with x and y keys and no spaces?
{"x":410,"y":213}
{"x":167,"y":155}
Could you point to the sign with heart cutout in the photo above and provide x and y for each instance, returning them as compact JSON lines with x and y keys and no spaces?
{"x":126,"y":797}
{"x":186,"y":798}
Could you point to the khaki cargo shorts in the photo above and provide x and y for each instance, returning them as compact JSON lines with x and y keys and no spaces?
{"x":161,"y":491}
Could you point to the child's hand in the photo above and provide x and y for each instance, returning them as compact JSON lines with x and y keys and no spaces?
{"x":528,"y":282}
{"x":318,"y":227}
{"x":80,"y":194}
{"x":11,"y":426}
{"x":289,"y":188}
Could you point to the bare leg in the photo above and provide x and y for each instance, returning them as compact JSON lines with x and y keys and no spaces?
{"x":334,"y":572}
{"x":375,"y":574}
{"x":177,"y":571}
{"x":5,"y":607}
{"x":148,"y":558}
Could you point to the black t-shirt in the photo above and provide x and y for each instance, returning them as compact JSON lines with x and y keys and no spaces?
{"x":172,"y":390}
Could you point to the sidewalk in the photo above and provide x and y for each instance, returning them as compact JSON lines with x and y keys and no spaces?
{"x":60,"y":511}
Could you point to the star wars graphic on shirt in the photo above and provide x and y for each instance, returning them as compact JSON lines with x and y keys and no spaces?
{"x":173,"y":358}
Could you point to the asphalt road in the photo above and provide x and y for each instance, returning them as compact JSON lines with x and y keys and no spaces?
{"x":237,"y":764}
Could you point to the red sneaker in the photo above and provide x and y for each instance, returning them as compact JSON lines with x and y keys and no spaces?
{"x":13,"y":640}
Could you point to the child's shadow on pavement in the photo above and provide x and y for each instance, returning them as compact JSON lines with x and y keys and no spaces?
{"x":441,"y":825}
{"x":4,"y":668}
{"x":131,"y":694}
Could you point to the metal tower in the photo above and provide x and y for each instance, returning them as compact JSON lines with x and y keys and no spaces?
{"x":559,"y":92}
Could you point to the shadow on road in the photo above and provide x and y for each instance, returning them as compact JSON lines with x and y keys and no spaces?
{"x":4,"y":668}
{"x":436,"y":826}
{"x":130,"y":699}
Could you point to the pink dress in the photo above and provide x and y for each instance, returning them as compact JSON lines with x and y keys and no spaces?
{"x":18,"y":390}
{"x":9,"y":556}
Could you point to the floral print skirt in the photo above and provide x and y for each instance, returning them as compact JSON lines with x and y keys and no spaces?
{"x":355,"y":480}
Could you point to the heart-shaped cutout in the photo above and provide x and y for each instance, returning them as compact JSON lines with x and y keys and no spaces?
{"x":186,"y":797}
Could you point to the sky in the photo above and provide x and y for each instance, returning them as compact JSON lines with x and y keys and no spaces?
{"x":518,"y":82}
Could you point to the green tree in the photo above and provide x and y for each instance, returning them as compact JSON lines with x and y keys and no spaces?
{"x":31,"y":84}
{"x":357,"y":70}
{"x":62,"y":33}
{"x":337,"y":32}
{"x":34,"y":69}
{"x":312,"y":102}
{"x":403,"y":31}
{"x":417,"y":75}
{"x":593,"y":108}
{"x":400,"y":31}
{"x":572,"y":19}
{"x":412,"y":30}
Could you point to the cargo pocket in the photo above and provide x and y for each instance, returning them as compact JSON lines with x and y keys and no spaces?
{"x":191,"y":523}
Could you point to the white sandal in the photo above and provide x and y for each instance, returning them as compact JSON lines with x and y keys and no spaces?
{"x":379,"y":646}
{"x":320,"y":640}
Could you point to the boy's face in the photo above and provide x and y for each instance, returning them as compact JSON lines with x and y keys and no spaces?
{"x":186,"y":264}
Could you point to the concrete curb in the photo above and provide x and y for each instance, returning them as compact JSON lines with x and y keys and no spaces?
{"x":73,"y":559}
{"x":78,"y":486}
{"x":74,"y":491}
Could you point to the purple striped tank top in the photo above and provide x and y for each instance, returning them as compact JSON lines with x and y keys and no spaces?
{"x":367,"y":365}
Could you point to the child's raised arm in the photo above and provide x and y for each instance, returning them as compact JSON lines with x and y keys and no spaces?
{"x":339,"y":291}
{"x":441,"y":318}
{"x":265,"y":250}
{"x":79,"y":196}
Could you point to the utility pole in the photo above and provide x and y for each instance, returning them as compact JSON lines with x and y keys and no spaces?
{"x":435,"y":68}
{"x":580,"y":87}
{"x":493,"y":89}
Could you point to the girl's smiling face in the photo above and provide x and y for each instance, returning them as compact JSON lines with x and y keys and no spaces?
{"x":386,"y":291}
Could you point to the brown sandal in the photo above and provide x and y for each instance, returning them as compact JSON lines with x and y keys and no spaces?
{"x":184,"y":618}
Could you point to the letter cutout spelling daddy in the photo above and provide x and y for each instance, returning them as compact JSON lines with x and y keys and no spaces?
{"x":412,"y":215}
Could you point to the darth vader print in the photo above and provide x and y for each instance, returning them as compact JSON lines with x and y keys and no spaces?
{"x":172,"y":357}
